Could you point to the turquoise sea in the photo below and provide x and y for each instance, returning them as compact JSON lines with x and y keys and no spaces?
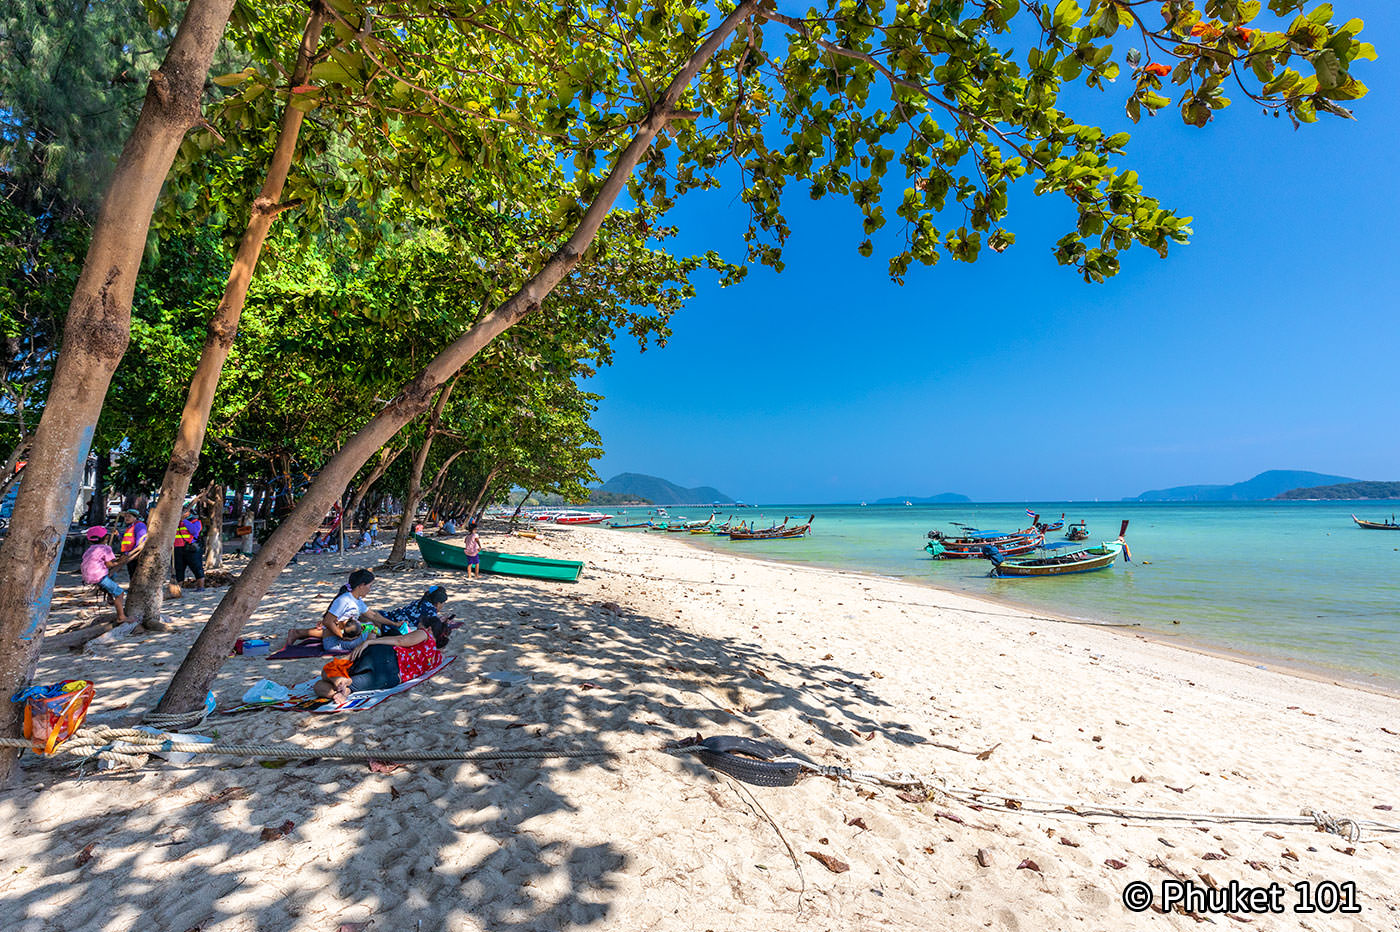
{"x":1289,"y":582}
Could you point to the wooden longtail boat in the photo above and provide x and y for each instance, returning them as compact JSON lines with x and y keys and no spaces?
{"x":1080,"y":561}
{"x":436,"y":553}
{"x":623,"y":527}
{"x":1077,"y":531}
{"x":778,"y":532}
{"x":691,"y":526}
{"x":1377,"y":525}
{"x":939,"y":551}
{"x":979,"y":539}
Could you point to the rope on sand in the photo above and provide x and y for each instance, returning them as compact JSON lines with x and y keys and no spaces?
{"x":1349,"y":829}
{"x":131,"y":746}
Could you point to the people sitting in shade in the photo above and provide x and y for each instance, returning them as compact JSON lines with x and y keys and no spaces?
{"x":348,"y":622}
{"x":98,"y":560}
{"x":380,"y":664}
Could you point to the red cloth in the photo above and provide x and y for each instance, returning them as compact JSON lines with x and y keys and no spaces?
{"x":416,"y":660}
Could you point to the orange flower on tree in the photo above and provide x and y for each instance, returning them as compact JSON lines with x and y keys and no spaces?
{"x":1158,"y":69}
{"x":1246,"y":36}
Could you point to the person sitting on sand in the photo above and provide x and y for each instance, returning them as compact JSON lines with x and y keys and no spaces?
{"x":342,"y":627}
{"x":380,"y":664}
{"x":98,"y":561}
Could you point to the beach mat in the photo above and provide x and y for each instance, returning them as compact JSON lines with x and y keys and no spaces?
{"x":304,"y":700}
{"x":311,"y":647}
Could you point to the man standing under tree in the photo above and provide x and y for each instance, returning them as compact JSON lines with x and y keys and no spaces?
{"x":133,"y":540}
{"x":189,"y":555}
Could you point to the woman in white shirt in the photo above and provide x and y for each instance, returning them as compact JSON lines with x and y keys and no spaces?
{"x":348,"y":622}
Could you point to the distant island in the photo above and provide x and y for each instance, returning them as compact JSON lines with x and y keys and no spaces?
{"x":1265,"y":486}
{"x":631,"y":486}
{"x":1345,"y":491}
{"x":941,"y":499}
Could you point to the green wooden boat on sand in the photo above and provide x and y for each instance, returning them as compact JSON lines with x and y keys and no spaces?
{"x":450,"y":556}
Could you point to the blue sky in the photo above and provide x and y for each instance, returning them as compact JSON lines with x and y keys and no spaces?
{"x":1272,"y":341}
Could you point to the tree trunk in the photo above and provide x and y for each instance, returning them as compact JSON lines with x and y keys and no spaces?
{"x":521,"y":507}
{"x":196,"y":673}
{"x":476,"y":502}
{"x":386,"y":459}
{"x":143,"y":602}
{"x":97,"y":508}
{"x":434,"y":486}
{"x":214,"y":532}
{"x":415,"y":479}
{"x":95,"y":337}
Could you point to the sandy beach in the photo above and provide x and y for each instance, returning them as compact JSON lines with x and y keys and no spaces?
{"x":660,"y":641}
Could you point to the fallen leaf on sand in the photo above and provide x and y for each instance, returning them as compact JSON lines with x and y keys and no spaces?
{"x":1114,"y":863}
{"x":1212,"y":856}
{"x":1178,"y":789}
{"x":1350,"y":851}
{"x":859,"y":823}
{"x":984,"y":857}
{"x":384,"y":766}
{"x":85,"y":855}
{"x":1039,"y":738}
{"x":1013,"y":803}
{"x":586,"y":686}
{"x":835,"y":865}
{"x":394,"y":792}
{"x":272,"y":833}
{"x":867,"y":794}
{"x":829,"y":657}
{"x":1139,"y":779}
{"x":1028,"y":865}
{"x":911,"y":797}
{"x":1069,"y":844}
{"x":986,"y":755}
{"x":1258,"y":865}
{"x":1384,"y":808}
{"x":226,"y":794}
{"x":1274,"y":835}
{"x":950,"y":817}
{"x":1388,"y":731}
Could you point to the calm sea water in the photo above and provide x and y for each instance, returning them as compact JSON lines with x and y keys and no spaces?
{"x":1293,"y":582}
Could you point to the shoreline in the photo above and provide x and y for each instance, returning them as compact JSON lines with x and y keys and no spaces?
{"x":657,"y":643}
{"x":1364,"y":681}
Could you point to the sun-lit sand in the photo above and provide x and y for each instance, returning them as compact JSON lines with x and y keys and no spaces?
{"x":660,"y":641}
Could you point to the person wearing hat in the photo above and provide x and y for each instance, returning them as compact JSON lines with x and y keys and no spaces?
{"x":133,"y":540}
{"x":98,"y":561}
{"x":189,"y":555}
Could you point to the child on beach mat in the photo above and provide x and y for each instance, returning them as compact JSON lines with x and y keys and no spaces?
{"x":341,"y":627}
{"x":422,"y":613}
{"x":471,"y":546}
{"x":383,"y":664}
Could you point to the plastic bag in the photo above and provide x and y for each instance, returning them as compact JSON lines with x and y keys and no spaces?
{"x":266,"y":691}
{"x":53,"y":713}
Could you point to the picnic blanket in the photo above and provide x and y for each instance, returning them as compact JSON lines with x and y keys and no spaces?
{"x":311,"y":647}
{"x":303,"y":699}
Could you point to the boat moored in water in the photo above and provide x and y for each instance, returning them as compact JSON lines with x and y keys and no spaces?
{"x":1087,"y":560}
{"x":1377,"y":525}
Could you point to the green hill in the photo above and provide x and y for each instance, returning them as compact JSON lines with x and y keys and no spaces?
{"x":939,"y":499}
{"x":1346,"y":491}
{"x":636,"y":486}
{"x":1264,"y":486}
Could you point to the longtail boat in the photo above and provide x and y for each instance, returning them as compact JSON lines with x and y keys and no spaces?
{"x":1077,"y":531}
{"x":778,"y":532}
{"x":1377,"y":525}
{"x":691,"y":526}
{"x":624,"y":527}
{"x":940,"y":551}
{"x":974,"y":538}
{"x":436,"y":553}
{"x":1080,"y":561}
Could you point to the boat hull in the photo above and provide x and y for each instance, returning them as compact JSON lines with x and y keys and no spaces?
{"x":1375,"y":525}
{"x":436,"y":553}
{"x":1030,"y":568}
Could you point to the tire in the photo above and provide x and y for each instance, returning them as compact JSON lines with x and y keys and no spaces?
{"x":750,"y":761}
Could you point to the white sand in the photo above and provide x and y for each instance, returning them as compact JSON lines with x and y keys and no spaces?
{"x":848,"y":669}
